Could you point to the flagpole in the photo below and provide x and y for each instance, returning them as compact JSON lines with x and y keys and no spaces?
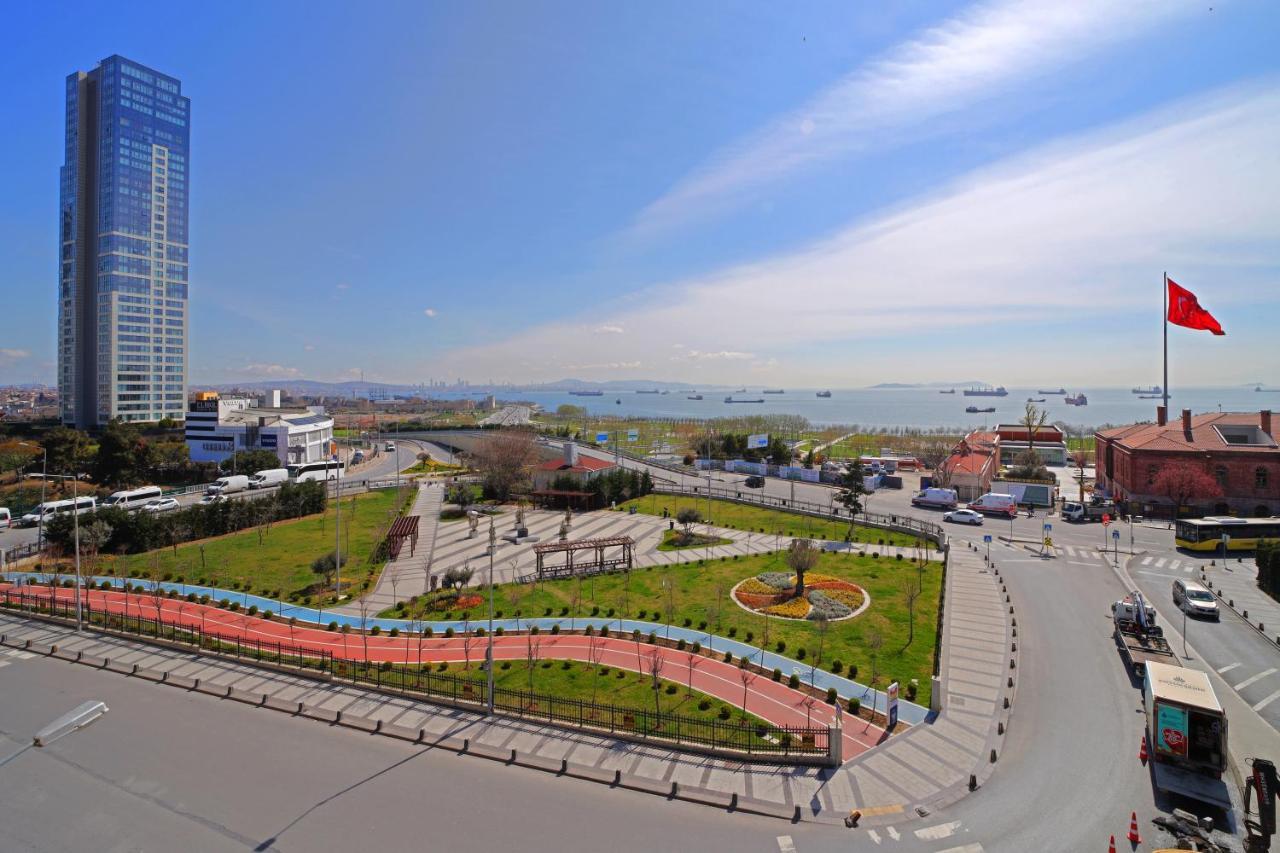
{"x":1165,"y":387}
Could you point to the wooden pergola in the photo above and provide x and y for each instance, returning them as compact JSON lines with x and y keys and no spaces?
{"x":598,"y":561}
{"x":405,"y":527}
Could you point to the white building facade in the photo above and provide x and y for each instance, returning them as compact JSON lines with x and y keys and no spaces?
{"x":215,"y":429}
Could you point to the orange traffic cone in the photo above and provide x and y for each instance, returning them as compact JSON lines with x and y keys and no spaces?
{"x":1133,"y":828}
{"x":1111,"y":848}
{"x":1142,"y":753}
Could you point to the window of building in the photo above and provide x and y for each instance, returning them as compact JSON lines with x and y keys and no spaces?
{"x":1260,"y":478}
{"x":1152,"y":470}
{"x":1220,"y":474}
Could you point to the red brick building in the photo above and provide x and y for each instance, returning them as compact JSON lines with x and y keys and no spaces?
{"x":1236,"y":449}
{"x":972,"y":465}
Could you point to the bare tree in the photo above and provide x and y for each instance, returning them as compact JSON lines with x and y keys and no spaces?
{"x":747,"y":677}
{"x":504,"y":459}
{"x":692,"y":659}
{"x":669,"y":600}
{"x":934,"y":455}
{"x":656,"y":665}
{"x":534,"y":651}
{"x":912,"y":587}
{"x":801,"y":557}
{"x":595,"y":654}
{"x":822,"y":624}
{"x":575,"y":600}
{"x":1034,"y":420}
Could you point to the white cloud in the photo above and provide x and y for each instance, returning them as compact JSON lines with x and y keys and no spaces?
{"x":309,"y":347}
{"x":1079,"y":230}
{"x":609,"y":329}
{"x":430,"y":312}
{"x":268,"y":371}
{"x":13,"y":354}
{"x":984,"y":51}
{"x":608,"y":365}
{"x":342,"y":285}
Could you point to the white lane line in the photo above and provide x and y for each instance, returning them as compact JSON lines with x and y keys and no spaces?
{"x":1265,"y":702}
{"x":785,"y":845}
{"x":1227,"y":668}
{"x":893,"y":833}
{"x":939,"y":832}
{"x":1257,"y":677}
{"x":1157,"y":574}
{"x":873,"y":835}
{"x":967,"y":848}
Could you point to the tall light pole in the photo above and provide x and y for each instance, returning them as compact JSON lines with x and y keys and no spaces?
{"x":493,"y":549}
{"x":44,"y":479}
{"x":75,"y":521}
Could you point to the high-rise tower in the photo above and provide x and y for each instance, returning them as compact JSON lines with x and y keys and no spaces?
{"x":122,"y":291}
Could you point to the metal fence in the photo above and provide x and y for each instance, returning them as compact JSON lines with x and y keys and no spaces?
{"x":151,"y":627}
{"x":20,"y":552}
{"x":831,"y":511}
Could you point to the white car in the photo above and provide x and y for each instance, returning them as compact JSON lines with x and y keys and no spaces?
{"x":1194,"y":599}
{"x":213,"y":499}
{"x":963,"y":516}
{"x":161,"y":505}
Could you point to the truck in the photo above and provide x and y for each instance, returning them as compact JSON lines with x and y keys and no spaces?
{"x":224,"y":486}
{"x":1141,"y":641}
{"x":935,"y":498}
{"x":1091,"y":511}
{"x":269,"y":477}
{"x":1187,"y":733}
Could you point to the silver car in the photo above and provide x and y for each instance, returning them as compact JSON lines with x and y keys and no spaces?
{"x":1195,"y":600}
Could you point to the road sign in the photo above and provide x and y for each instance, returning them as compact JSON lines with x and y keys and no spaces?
{"x":1048,"y":541}
{"x":986,"y":538}
{"x":1106,"y":519}
{"x":602,"y":438}
{"x":1115,"y":534}
{"x":1048,"y":526}
{"x":633,"y":435}
{"x":892,"y":695}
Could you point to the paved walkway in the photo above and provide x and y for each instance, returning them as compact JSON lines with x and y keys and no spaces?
{"x":407,"y":574}
{"x":923,"y":768}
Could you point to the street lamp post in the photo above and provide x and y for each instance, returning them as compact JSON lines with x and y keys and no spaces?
{"x":493,"y":549}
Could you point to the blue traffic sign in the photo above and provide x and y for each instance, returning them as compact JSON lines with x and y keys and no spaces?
{"x":986,"y":538}
{"x":1048,"y":526}
{"x":1115,"y":534}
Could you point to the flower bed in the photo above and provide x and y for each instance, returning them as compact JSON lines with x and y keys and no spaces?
{"x":825,"y":597}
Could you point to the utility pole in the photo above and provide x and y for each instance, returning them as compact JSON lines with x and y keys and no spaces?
{"x":493,"y":549}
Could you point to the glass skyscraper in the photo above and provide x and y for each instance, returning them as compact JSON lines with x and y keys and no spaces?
{"x":122,"y":292}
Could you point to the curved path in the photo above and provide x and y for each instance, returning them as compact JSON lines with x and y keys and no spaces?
{"x":767,"y":699}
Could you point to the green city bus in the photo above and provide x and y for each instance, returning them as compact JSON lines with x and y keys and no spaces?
{"x":1205,"y":534}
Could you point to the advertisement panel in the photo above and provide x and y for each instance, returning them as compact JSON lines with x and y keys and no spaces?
{"x":1171,"y":730}
{"x":633,"y":435}
{"x":757,"y":442}
{"x":602,"y":438}
{"x":892,"y":704}
{"x":810,"y":475}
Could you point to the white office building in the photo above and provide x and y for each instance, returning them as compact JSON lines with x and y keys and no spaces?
{"x":216,"y":428}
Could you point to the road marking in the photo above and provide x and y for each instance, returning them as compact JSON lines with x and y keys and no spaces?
{"x":1157,"y":574}
{"x":1265,"y":702}
{"x":1257,"y":677}
{"x":939,"y":832}
{"x":873,"y":835}
{"x":1227,"y":668}
{"x":1146,"y":561}
{"x":785,"y":844}
{"x":893,"y":833}
{"x":967,"y":848}
{"x":1160,"y":563}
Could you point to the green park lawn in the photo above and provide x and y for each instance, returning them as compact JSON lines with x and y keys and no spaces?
{"x":769,"y":521}
{"x":281,"y":563}
{"x":700,"y":600}
{"x":676,"y":540}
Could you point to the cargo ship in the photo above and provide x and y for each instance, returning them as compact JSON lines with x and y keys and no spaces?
{"x":1062,"y":392}
{"x":586,"y":393}
{"x":1078,"y":400}
{"x":824,"y":393}
{"x":986,"y":391}
{"x":731,"y":400}
{"x":1153,"y":391}
{"x":654,"y":391}
{"x":773,"y":391}
{"x":949,"y":391}
{"x":974,"y":410}
{"x":695,"y":396}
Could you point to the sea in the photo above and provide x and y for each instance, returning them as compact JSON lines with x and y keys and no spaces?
{"x":917,"y":408}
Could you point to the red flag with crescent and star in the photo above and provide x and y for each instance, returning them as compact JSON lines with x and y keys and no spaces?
{"x":1185,"y":310}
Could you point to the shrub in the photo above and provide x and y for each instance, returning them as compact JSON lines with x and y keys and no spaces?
{"x":635,"y":634}
{"x":478,"y":632}
{"x":400,"y":605}
{"x":448,"y":632}
{"x":547,"y":612}
{"x":800,"y":653}
{"x":836,"y":666}
{"x":499,"y":631}
{"x":680,"y":644}
{"x":642,"y":614}
{"x":853,"y":670}
{"x":506,"y":664}
{"x":704,"y":705}
{"x":535,"y":630}
{"x":555,"y":629}
{"x":590,"y":631}
{"x":375,"y":630}
{"x":253,"y":610}
{"x":609,"y":612}
{"x":224,"y":603}
{"x":855,"y":705}
{"x":428,"y":631}
{"x":912,"y":688}
{"x":235,"y":605}
{"x":566,"y":664}
{"x":595,"y":611}
{"x":564,"y":611}
{"x":671,"y":689}
{"x":653,"y":638}
{"x":733,"y":630}
{"x":442,"y":667}
{"x":781,"y":646}
{"x":794,"y":681}
{"x":750,"y":636}
{"x":831,"y":696}
{"x":688,"y":623}
{"x":604,"y":630}
{"x":728,"y":657}
{"x":267,"y":614}
{"x":777,"y":674}
{"x":333,"y":626}
{"x":702,"y":626}
{"x":394,"y":632}
{"x":898,"y":556}
{"x":875,"y":555}
{"x":725,"y":713}
{"x":191,"y":596}
{"x":696,"y":647}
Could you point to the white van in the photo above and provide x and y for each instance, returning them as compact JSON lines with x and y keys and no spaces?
{"x":228,"y":485}
{"x":133,"y":498}
{"x":992,"y":502}
{"x":6,"y":517}
{"x":268,"y":478}
{"x":47,"y":510}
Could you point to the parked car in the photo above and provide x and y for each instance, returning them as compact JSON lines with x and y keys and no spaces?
{"x":1195,"y":600}
{"x":754,"y":482}
{"x":161,"y":505}
{"x":357,"y":457}
{"x":963,"y":516}
{"x":390,"y":447}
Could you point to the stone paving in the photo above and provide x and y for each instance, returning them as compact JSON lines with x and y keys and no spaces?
{"x":925,"y":766}
{"x":407,"y":574}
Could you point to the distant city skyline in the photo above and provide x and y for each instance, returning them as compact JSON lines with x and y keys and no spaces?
{"x":836,"y":197}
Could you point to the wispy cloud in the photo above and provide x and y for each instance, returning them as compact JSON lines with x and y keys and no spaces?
{"x":14,"y":354}
{"x":342,"y":285}
{"x":430,"y":312}
{"x":990,"y":48}
{"x":609,"y":329}
{"x":1076,"y":230}
{"x":267,"y":371}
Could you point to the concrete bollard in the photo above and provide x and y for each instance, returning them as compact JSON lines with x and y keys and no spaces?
{"x":675,"y":790}
{"x":564,"y":766}
{"x":512,"y":760}
{"x":195,"y":684}
{"x":1015,"y":647}
{"x":973,"y":782}
{"x":164,"y":677}
{"x":264,"y":700}
{"x":733,"y":801}
{"x":337,"y":717}
{"x":1006,"y":703}
{"x":135,"y":670}
{"x":1231,"y":602}
{"x":1015,"y":632}
{"x":422,"y":735}
{"x":1000,"y":728}
{"x":993,"y":756}
{"x":301,"y":708}
{"x":617,"y":778}
{"x":1010,"y":608}
{"x":53,"y":650}
{"x":377,"y":726}
{"x":79,"y":656}
{"x":1014,"y":622}
{"x":795,"y":818}
{"x":1245,"y":614}
{"x":466,"y":744}
{"x":1011,"y":681}
{"x":1011,"y":663}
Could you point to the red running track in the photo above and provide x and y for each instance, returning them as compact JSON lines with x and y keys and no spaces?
{"x":770,"y":700}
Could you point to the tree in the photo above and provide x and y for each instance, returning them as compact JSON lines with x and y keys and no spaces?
{"x":68,"y":449}
{"x":808,"y":459}
{"x":746,"y":676}
{"x":912,"y":587}
{"x":457,"y":577}
{"x":1181,"y":482}
{"x":779,"y":452}
{"x":852,"y":487}
{"x":934,"y":455}
{"x":1080,"y":459}
{"x":1028,"y":466}
{"x":14,"y":456}
{"x":656,"y":665}
{"x":251,"y":461}
{"x":801,"y":558}
{"x":462,"y":495}
{"x":1034,"y":419}
{"x":116,"y":461}
{"x":326,"y":565}
{"x":504,"y":460}
{"x":568,"y":410}
{"x":688,"y":517}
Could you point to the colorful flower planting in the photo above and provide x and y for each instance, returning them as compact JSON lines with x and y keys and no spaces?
{"x":824,"y":597}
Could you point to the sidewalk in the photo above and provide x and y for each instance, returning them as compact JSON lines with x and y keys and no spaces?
{"x":926,"y":766}
{"x":407,"y":574}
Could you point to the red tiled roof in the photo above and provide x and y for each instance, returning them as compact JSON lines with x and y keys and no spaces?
{"x":586,"y":465}
{"x":1202,"y":438}
{"x":973,"y":454}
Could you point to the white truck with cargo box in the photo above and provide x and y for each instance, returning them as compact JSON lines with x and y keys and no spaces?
{"x":1187,"y":731}
{"x":992,"y":502}
{"x":1091,"y":511}
{"x":935,"y":498}
{"x":224,"y":486}
{"x":268,"y":478}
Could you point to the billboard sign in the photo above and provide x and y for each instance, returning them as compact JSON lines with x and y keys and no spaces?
{"x":758,"y":442}
{"x":602,"y":438}
{"x":633,"y":435}
{"x":891,"y":694}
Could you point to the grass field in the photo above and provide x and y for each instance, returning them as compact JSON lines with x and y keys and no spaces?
{"x":282,"y":561}
{"x":770,"y":521}
{"x":699,"y":599}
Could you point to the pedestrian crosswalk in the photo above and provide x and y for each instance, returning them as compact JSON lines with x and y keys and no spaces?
{"x":1170,"y":564}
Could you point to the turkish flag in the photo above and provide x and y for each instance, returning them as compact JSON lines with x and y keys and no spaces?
{"x":1185,"y":310}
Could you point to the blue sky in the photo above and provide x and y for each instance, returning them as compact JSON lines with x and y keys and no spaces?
{"x":840,"y":195}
